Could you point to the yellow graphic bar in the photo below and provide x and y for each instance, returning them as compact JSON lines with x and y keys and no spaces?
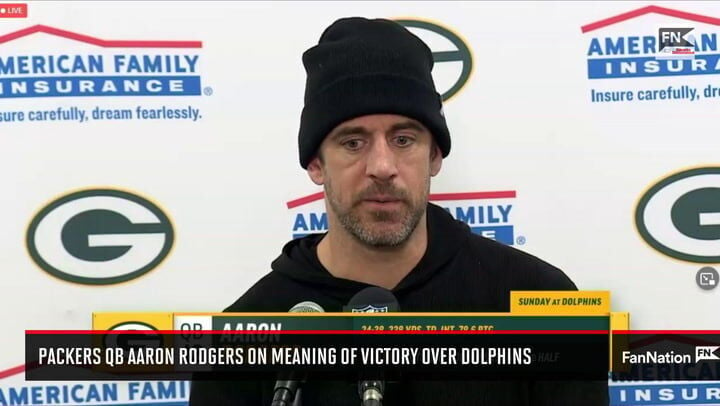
{"x":585,"y":303}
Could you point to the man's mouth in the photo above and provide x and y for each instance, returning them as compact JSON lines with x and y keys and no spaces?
{"x":382,"y":199}
{"x":382,"y":203}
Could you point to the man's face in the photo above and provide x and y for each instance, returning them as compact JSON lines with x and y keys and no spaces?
{"x":376,"y":173}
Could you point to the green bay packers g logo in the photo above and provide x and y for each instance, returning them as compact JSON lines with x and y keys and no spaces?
{"x":452,"y":56}
{"x":99,"y":237}
{"x":680,"y":215}
{"x":145,"y":336}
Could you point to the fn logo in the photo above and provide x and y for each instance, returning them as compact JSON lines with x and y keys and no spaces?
{"x":673,"y":37}
{"x":706,"y":353}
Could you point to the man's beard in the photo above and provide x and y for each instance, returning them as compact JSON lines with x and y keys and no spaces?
{"x":404,"y":219}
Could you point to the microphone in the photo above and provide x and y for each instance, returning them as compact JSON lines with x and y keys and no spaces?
{"x":307,"y":307}
{"x":286,"y":387}
{"x":372,"y":300}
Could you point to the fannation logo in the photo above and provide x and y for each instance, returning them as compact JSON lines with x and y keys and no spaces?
{"x":487,"y":213}
{"x":107,"y":68}
{"x":99,"y":237}
{"x":658,"y":361}
{"x":680,"y":215}
{"x":453,"y":64}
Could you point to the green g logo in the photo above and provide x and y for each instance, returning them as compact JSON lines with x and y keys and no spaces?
{"x":99,"y":237}
{"x":680,"y":215}
{"x":452,"y":56}
{"x":145,"y":338}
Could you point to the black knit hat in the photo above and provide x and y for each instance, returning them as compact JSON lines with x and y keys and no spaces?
{"x":362,"y":67}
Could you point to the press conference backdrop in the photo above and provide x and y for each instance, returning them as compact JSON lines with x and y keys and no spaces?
{"x":149,"y":161}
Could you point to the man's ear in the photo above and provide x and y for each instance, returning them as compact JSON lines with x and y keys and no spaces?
{"x":315,"y":171}
{"x":435,"y":160}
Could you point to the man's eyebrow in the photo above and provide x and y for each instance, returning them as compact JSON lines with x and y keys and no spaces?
{"x":360,"y":130}
{"x":408,"y":125}
{"x":342,"y":132}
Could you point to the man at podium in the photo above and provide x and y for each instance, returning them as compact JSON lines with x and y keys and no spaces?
{"x":373,"y":134}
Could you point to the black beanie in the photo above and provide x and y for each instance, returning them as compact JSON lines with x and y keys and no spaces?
{"x":362,"y":67}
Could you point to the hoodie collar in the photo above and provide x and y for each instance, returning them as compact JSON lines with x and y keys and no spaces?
{"x":446,"y":236}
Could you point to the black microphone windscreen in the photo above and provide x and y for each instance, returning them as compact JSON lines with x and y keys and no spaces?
{"x":373,"y":300}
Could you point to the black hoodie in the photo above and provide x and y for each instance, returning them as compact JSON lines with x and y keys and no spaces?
{"x":460,"y":272}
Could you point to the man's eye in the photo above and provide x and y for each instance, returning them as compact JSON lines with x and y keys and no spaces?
{"x":403,"y":141}
{"x":352,"y":144}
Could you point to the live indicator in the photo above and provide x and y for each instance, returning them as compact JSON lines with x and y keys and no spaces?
{"x":13,"y":10}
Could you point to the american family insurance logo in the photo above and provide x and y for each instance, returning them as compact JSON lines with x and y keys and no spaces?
{"x":89,"y":66}
{"x":489,"y":214}
{"x":15,"y":391}
{"x":685,"y":44}
{"x":13,"y":10}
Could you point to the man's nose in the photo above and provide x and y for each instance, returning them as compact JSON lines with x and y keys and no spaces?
{"x":381,"y":161}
